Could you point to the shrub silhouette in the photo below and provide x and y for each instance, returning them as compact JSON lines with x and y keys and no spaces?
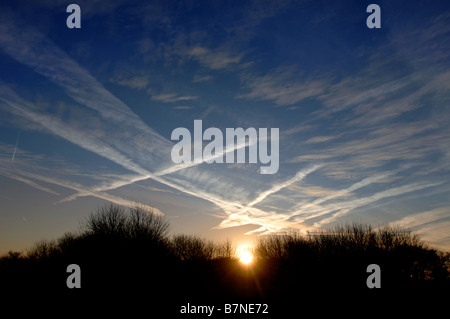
{"x":113,"y":222}
{"x":341,"y":240}
{"x":191,"y":248}
{"x":43,"y":249}
{"x":225,"y":250}
{"x":347,"y":250}
{"x":112,"y":231}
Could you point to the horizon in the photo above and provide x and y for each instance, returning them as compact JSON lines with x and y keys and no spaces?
{"x":87,"y":116}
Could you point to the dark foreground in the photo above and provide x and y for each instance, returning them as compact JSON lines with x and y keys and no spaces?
{"x":129,"y":267}
{"x":170,"y":289}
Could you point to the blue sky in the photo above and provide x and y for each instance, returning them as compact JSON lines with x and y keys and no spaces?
{"x":86,"y":115}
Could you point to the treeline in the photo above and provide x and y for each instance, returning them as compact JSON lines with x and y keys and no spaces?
{"x":114,"y":231}
{"x":130,"y":253}
{"x":121,"y":250}
{"x":404,"y":254}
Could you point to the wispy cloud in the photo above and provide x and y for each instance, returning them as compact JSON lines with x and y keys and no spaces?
{"x":277,"y":187}
{"x":433,"y":225}
{"x":283,"y":87}
{"x":134,"y":82}
{"x":172,"y":97}
{"x":298,"y":216}
{"x":320,"y":139}
{"x":201,"y":78}
{"x":183,"y":107}
{"x":78,"y":138}
{"x":244,"y":214}
{"x":33,"y":49}
{"x":296,"y":129}
{"x":23,"y":108}
{"x":217,"y":59}
{"x":31,"y":183}
{"x":340,"y":209}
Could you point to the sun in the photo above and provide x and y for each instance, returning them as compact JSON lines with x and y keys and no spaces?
{"x":245,"y":255}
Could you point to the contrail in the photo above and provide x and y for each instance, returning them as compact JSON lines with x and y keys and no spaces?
{"x":277,"y":187}
{"x":15,"y":147}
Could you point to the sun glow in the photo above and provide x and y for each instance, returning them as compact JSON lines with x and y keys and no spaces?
{"x":245,"y":255}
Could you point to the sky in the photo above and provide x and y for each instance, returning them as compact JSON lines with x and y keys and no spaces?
{"x":87,"y":115}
